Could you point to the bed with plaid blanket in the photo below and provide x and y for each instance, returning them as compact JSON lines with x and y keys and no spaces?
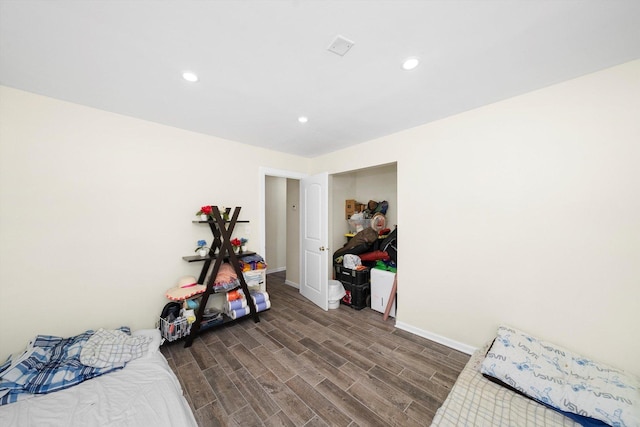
{"x":50,"y":364}
{"x":497,"y":388}
{"x":146,"y":392}
{"x":476,"y":401}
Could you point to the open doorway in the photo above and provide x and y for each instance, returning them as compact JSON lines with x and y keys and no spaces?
{"x":280,"y":207}
{"x":279,"y":204}
{"x":282,"y":228}
{"x":376,"y":183}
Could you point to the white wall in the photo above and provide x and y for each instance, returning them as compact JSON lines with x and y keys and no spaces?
{"x":96,"y":211}
{"x":524,"y":212}
{"x":276,"y":223}
{"x":379,"y":183}
{"x":293,"y":232}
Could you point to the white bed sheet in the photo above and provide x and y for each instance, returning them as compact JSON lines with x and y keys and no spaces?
{"x":145,"y":393}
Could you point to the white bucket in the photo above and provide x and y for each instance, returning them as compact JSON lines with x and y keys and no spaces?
{"x":336,"y":292}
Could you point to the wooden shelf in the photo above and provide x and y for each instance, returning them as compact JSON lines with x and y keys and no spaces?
{"x":213,"y":222}
{"x":222,"y":231}
{"x":350,"y":235}
{"x":196,"y":258}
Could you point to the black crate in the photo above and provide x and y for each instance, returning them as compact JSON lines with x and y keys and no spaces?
{"x":357,"y":296}
{"x":352,"y":277}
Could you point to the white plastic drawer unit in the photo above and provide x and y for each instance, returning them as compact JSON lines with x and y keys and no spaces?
{"x":381,"y":285}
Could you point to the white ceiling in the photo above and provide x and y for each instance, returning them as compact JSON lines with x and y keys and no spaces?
{"x":264,"y":63}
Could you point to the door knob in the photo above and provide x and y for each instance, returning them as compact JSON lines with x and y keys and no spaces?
{"x":321,"y":248}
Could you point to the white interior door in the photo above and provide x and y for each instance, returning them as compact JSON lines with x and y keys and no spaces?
{"x":314,"y":217}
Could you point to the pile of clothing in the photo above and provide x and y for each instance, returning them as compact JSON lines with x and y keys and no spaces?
{"x":226,"y":278}
{"x":370,"y":249}
{"x":252,"y":262}
{"x":52,"y":363}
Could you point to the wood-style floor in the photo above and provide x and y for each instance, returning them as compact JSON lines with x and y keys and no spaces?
{"x":302,"y":366}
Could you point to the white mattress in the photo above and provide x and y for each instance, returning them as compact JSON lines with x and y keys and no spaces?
{"x":476,"y":401}
{"x":145,"y":393}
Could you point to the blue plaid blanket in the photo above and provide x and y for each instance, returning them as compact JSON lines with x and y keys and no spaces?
{"x":49,"y":364}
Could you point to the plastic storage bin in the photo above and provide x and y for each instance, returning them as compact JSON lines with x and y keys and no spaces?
{"x":256,"y":279}
{"x":352,"y":277}
{"x":356,"y":296}
{"x":357,"y":225}
{"x":356,"y":286}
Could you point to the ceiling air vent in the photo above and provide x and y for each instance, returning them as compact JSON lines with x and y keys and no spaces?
{"x":340,"y":45}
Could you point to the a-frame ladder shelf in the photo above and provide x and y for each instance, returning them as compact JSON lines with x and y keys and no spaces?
{"x":219,"y":252}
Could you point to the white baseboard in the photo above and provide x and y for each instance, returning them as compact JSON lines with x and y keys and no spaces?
{"x":275,"y":270}
{"x":292,"y":284}
{"x":437,"y":338}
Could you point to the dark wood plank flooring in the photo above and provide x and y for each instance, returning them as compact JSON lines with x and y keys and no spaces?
{"x":302,"y":366}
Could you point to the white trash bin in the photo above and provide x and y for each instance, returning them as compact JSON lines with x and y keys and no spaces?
{"x":336,"y":292}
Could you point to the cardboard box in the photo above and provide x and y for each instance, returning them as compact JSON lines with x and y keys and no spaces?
{"x":349,"y":208}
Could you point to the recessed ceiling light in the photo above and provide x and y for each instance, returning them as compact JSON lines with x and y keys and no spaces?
{"x":189,"y":76}
{"x":410,"y":63}
{"x":303,"y":119}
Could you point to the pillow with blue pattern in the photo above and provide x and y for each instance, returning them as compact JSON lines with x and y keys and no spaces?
{"x":563,"y":380}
